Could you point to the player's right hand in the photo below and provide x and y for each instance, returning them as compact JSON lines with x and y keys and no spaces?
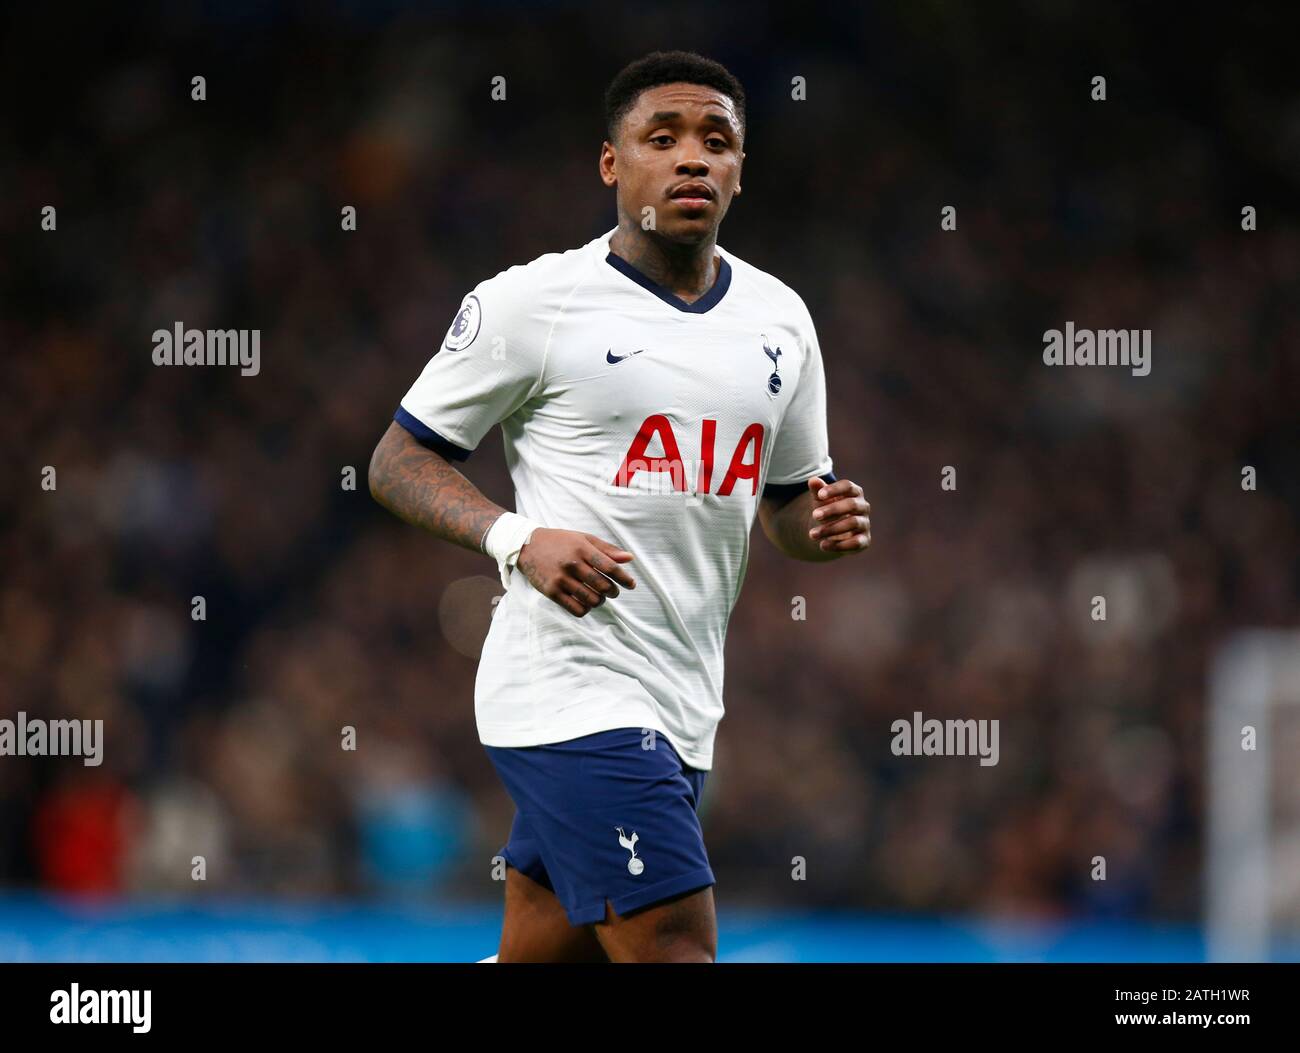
{"x":576,"y":570}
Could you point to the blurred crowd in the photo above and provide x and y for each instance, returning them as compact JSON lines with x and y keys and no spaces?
{"x":224,"y":737}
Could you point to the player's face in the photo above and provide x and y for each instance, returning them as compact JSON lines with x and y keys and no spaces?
{"x":679,"y":153}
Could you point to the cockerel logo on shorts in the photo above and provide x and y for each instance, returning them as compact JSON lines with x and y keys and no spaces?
{"x":634,"y":865}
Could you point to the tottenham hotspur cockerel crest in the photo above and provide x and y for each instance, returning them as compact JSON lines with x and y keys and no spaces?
{"x":634,"y":865}
{"x":774,"y":381}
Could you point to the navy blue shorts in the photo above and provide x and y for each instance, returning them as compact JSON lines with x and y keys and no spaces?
{"x":602,"y":818}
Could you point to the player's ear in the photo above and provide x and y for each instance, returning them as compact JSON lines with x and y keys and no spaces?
{"x":608,"y":156}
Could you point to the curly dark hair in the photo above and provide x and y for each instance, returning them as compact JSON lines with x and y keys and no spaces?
{"x":668,"y":67}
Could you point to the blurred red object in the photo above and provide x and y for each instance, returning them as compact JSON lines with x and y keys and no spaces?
{"x":80,"y":832}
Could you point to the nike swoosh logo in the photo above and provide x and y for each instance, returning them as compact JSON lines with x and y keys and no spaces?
{"x":613,"y":359}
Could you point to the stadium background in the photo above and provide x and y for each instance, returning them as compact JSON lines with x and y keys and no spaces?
{"x":222,"y":736}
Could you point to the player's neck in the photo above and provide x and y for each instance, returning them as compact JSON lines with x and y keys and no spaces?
{"x":687,"y":271}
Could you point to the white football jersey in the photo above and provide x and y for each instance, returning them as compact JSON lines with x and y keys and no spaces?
{"x":647,"y":421}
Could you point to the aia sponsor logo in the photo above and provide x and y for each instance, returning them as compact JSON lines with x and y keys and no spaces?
{"x":677,"y":475}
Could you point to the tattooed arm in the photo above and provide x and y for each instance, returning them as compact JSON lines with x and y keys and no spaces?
{"x":420,"y":486}
{"x":578,"y":571}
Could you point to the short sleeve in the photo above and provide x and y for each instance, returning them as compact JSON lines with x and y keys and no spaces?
{"x":487,"y":366}
{"x":801,"y":447}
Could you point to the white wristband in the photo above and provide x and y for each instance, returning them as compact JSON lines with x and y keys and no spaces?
{"x":505,"y":538}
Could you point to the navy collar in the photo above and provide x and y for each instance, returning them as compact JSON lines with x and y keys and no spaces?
{"x":704,"y":303}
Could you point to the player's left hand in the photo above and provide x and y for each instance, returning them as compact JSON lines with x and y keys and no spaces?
{"x":841,"y":517}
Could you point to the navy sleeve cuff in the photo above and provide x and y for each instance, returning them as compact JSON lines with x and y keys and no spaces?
{"x":426,"y":436}
{"x":786,"y":492}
